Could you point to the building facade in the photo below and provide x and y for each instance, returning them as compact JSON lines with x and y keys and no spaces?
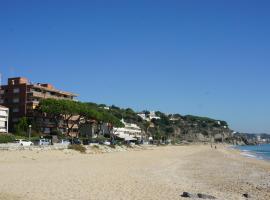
{"x":22,"y":97}
{"x":130,"y":132}
{"x":4,"y":112}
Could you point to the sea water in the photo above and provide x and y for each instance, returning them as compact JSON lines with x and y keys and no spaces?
{"x":261,"y":151}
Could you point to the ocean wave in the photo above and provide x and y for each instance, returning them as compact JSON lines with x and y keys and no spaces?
{"x":254,"y":156}
{"x":260,"y":152}
{"x":249,"y":155}
{"x":245,"y":150}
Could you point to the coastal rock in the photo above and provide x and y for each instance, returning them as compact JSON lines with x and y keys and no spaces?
{"x":246,"y":195}
{"x":188,"y":195}
{"x":199,"y":195}
{"x":205,"y":196}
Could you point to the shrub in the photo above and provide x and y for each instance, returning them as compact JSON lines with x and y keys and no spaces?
{"x":95,"y":146}
{"x":77,"y":147}
{"x":101,"y":139}
{"x":6,"y":138}
{"x":21,"y":127}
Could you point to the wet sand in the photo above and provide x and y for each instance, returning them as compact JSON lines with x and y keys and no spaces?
{"x":161,"y":173}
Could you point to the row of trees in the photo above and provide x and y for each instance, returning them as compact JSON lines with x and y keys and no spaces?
{"x":73,"y":113}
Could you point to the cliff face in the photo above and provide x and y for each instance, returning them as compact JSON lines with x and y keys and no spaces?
{"x":251,"y":138}
{"x":200,"y":129}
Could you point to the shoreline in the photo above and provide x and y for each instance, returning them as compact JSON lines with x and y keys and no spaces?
{"x":133,"y":174}
{"x":252,"y":154}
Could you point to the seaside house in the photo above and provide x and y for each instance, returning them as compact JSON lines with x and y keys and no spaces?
{"x":143,"y":116}
{"x":131,"y":132}
{"x":148,"y":117}
{"x":4,"y":112}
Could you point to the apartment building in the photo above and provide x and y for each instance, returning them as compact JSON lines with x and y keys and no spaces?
{"x":3,"y":119}
{"x":130,"y":132}
{"x":22,"y":97}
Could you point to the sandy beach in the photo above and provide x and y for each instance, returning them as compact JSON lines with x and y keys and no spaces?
{"x":161,"y":173}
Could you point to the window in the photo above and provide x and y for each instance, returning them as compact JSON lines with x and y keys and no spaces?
{"x":16,"y":100}
{"x":2,"y":91}
{"x":3,"y":113}
{"x":15,"y":110}
{"x":16,"y":90}
{"x":47,"y":130}
{"x":2,"y":124}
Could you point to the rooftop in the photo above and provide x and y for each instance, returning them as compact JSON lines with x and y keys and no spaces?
{"x":52,"y":89}
{"x":41,"y":86}
{"x":3,"y":107}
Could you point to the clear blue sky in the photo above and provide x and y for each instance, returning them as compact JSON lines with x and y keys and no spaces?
{"x":209,"y":58}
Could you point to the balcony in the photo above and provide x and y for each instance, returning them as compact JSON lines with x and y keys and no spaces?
{"x":45,"y":95}
{"x":33,"y":102}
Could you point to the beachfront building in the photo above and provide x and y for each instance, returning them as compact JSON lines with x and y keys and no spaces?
{"x":131,"y":132}
{"x":22,"y":97}
{"x":4,"y":111}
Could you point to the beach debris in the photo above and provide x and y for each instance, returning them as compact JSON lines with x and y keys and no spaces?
{"x":199,"y":195}
{"x":246,"y":195}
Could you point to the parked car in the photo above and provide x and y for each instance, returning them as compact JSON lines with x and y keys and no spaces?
{"x":24,"y":143}
{"x":75,"y":141}
{"x":64,"y":142}
{"x":107,"y":143}
{"x":43,"y":142}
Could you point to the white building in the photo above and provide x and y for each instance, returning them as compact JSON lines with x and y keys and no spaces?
{"x":152,"y":115}
{"x":143,"y":116}
{"x":129,"y":132}
{"x":4,"y":119}
{"x":149,"y":117}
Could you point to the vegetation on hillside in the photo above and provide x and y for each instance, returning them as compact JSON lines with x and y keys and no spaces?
{"x":173,"y":126}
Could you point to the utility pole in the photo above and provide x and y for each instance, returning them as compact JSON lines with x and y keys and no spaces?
{"x":30,"y":126}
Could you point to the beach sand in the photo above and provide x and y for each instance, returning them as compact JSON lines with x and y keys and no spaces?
{"x":161,"y":173}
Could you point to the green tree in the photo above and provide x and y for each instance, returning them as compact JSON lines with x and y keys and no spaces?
{"x":22,"y":126}
{"x":72,"y":113}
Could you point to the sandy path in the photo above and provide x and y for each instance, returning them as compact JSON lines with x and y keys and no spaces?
{"x":163,"y":173}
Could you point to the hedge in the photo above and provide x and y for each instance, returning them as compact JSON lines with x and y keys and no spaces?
{"x":6,"y":138}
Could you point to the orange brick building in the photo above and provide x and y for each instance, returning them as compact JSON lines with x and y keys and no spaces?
{"x":22,"y":97}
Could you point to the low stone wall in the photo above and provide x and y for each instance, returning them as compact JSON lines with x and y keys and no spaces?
{"x":90,"y":149}
{"x":15,"y":147}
